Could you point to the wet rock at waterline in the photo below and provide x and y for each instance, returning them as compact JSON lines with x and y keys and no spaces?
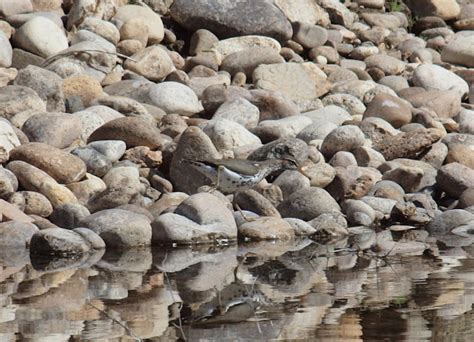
{"x":120,"y":228}
{"x":58,"y":241}
{"x":198,"y":219}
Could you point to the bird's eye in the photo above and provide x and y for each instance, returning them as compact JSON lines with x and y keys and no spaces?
{"x":291,"y":162}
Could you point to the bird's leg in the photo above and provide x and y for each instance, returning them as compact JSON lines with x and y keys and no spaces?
{"x":245,"y":217}
{"x":215,"y":185}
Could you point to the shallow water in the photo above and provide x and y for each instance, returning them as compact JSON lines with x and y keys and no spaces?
{"x":264,"y":291}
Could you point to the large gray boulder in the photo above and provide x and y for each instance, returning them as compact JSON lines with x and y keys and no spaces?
{"x":120,"y":228}
{"x":228,"y":18}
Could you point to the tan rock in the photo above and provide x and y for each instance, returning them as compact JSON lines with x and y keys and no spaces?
{"x":407,"y":145}
{"x":133,"y":131}
{"x":387,"y":20}
{"x":62,"y":166}
{"x":12,"y":213}
{"x":129,"y":47}
{"x":34,"y":179}
{"x":309,"y":35}
{"x":467,"y":198}
{"x":249,"y":59}
{"x":32,"y":203}
{"x":342,"y":138}
{"x":445,"y":9}
{"x":320,"y":175}
{"x":436,"y":155}
{"x":388,"y":64}
{"x":135,"y":28}
{"x":446,"y":104}
{"x":15,"y":99}
{"x":102,"y":28}
{"x":6,"y":51}
{"x":6,"y":28}
{"x":255,"y":202}
{"x":338,"y":12}
{"x":392,"y":109}
{"x":308,"y":203}
{"x":56,"y":129}
{"x":305,"y":11}
{"x":167,"y":201}
{"x":86,"y":87}
{"x":46,"y":5}
{"x":460,"y":50}
{"x":225,"y":47}
{"x":82,"y":9}
{"x":150,"y":18}
{"x":461,"y":153}
{"x":8,"y":8}
{"x":87,"y":188}
{"x":408,"y":177}
{"x":57,"y":194}
{"x":153,"y":63}
{"x":435,"y":77}
{"x":455,"y":178}
{"x":301,"y":82}
{"x":267,"y":228}
{"x":352,"y":182}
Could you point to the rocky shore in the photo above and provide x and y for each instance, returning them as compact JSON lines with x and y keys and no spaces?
{"x":101,"y":101}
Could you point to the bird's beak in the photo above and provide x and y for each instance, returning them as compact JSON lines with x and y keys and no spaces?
{"x":300,"y":170}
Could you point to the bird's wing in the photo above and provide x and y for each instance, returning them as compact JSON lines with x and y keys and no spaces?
{"x":242,"y":166}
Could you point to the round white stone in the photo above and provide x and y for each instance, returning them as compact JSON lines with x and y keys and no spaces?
{"x":174,"y":97}
{"x":41,"y":36}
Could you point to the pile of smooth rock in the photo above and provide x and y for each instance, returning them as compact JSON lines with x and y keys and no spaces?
{"x":102,"y":100}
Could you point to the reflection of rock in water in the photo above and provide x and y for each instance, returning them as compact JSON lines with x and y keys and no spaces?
{"x":386,"y":329}
{"x":235,"y":303}
{"x":48,"y":301}
{"x":459,"y":329}
{"x":292,"y":273}
{"x":274,"y":273}
{"x":101,"y":329}
{"x":198,"y":274}
{"x":133,"y":260}
{"x":178,"y":259}
{"x":263,"y":291}
{"x":58,"y":263}
{"x":118,"y":273}
{"x":348,"y":328}
{"x":146,"y":311}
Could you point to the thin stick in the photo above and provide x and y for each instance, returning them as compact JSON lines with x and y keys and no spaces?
{"x":180,"y":327}
{"x":127,"y":329}
{"x":70,"y":53}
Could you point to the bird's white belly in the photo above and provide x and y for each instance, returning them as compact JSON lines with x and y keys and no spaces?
{"x":230,"y":181}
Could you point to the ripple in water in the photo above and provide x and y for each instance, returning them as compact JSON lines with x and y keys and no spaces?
{"x":265,"y":291}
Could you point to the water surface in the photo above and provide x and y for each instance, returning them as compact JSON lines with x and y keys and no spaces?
{"x":264,"y":291}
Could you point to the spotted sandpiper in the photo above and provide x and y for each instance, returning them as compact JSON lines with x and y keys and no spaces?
{"x":230,"y":175}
